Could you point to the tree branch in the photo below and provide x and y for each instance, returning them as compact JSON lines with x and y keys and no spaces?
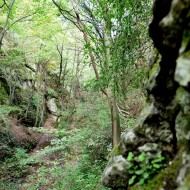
{"x":18,"y":20}
{"x":29,"y":67}
{"x":6,"y":22}
{"x":86,"y":38}
{"x":123,"y":112}
{"x":62,"y":11}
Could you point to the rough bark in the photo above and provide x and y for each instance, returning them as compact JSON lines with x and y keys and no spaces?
{"x":163,"y":125}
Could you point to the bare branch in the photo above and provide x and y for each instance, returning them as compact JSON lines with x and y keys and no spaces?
{"x":123,"y":112}
{"x":62,"y":11}
{"x":29,"y":67}
{"x":4,"y":3}
{"x":18,"y":20}
{"x":1,"y":6}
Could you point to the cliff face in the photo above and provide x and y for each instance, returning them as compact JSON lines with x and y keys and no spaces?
{"x":161,"y":137}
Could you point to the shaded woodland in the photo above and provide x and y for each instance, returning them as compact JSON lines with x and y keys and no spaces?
{"x":94,"y":94}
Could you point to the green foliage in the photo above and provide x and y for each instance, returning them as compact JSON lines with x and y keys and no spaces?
{"x":51,"y":93}
{"x":167,"y":175}
{"x":142,"y":167}
{"x":9,"y":186}
{"x":3,"y":94}
{"x":91,"y":142}
{"x":118,"y":49}
{"x":79,"y":156}
{"x":35,"y":101}
{"x":127,"y":123}
{"x":76,"y":178}
{"x":15,"y":167}
{"x":92,"y":84}
{"x":6,"y":111}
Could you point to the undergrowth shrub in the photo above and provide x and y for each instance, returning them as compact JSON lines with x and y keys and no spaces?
{"x":91,"y":145}
{"x":83,"y":149}
{"x":14,"y":168}
{"x":142,"y":167}
{"x":9,"y":186}
{"x":75,"y":159}
{"x":6,"y":112}
{"x":76,"y":178}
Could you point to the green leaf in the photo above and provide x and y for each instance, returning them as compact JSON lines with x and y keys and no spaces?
{"x":146,"y":175}
{"x":142,"y":157}
{"x":131,"y":171}
{"x":132,"y":179}
{"x":159,"y":159}
{"x":139,"y":172}
{"x":141,"y":182}
{"x":131,"y":165}
{"x":130,"y":156}
{"x":156,"y":166}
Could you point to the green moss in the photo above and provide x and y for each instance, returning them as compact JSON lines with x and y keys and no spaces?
{"x":155,"y":66}
{"x":115,"y":152}
{"x":186,"y":185}
{"x":182,"y":96}
{"x":166,"y":178}
{"x":3,"y":94}
{"x":153,"y":73}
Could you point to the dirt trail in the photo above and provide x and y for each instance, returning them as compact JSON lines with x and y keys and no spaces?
{"x":45,"y":141}
{"x":50,"y":122}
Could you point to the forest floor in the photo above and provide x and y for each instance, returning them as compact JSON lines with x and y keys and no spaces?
{"x":69,"y":155}
{"x":45,"y":141}
{"x":47,"y":160}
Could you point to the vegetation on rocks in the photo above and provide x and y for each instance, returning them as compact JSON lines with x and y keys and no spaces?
{"x":94,"y":94}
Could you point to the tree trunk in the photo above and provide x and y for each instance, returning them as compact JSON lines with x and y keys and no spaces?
{"x":116,"y":131}
{"x":109,"y":92}
{"x":2,"y":34}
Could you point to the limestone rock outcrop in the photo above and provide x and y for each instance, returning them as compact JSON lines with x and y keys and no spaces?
{"x":163,"y":128}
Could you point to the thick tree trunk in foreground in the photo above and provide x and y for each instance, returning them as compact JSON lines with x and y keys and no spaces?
{"x":163,"y":126}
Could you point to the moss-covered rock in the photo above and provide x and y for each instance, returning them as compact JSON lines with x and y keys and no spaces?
{"x":164,"y":123}
{"x":116,"y":173}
